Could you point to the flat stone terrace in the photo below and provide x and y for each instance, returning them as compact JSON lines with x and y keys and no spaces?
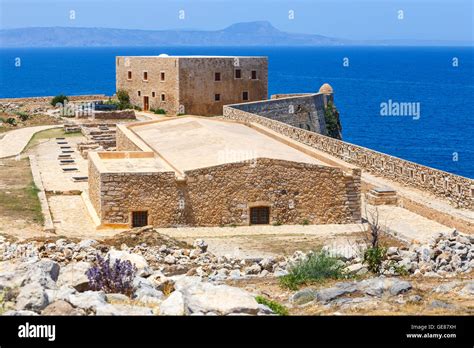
{"x":194,"y":142}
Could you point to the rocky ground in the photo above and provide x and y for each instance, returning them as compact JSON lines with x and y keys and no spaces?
{"x":47,"y":276}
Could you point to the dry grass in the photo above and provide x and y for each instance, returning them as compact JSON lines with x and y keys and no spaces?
{"x":18,"y":194}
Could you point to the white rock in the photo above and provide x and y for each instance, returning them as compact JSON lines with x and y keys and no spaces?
{"x":173,"y":305}
{"x":137,"y":260}
{"x":122,"y":309}
{"x":32,"y":297}
{"x":88,"y":300}
{"x":74,"y":275}
{"x":221,"y":299}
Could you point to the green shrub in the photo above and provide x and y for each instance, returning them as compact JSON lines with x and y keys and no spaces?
{"x":23,"y":116}
{"x":277,"y":223}
{"x":123,"y":100}
{"x":305,"y":222}
{"x":373,"y":257}
{"x":59,"y":99}
{"x":159,"y":111}
{"x":11,"y":121}
{"x":317,"y":266}
{"x":273,"y":305}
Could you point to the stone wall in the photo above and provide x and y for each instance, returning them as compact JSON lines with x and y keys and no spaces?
{"x":156,"y":193}
{"x":295,"y":192}
{"x":48,"y":99}
{"x":114,"y":115}
{"x":197,"y":86}
{"x":189,"y":86}
{"x":123,"y":142}
{"x":94,"y":187}
{"x":221,"y":195}
{"x":153,"y":87}
{"x":457,"y":190}
{"x":305,"y":111}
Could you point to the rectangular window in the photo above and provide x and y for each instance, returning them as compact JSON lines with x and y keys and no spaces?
{"x":145,"y":75}
{"x":217,"y":76}
{"x":260,"y":215}
{"x":245,"y":95}
{"x":139,"y":218}
{"x":129,"y":75}
{"x":153,"y":94}
{"x":217,"y":97}
{"x":238,"y":73}
{"x":254,"y":74}
{"x":139,"y":93}
{"x":163,"y":97}
{"x":162,"y":76}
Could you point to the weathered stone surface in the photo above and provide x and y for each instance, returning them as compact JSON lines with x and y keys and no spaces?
{"x":88,"y":300}
{"x":32,"y":297}
{"x":437,"y":304}
{"x":173,"y":305}
{"x":303,"y":296}
{"x":468,"y":289}
{"x":74,"y":275}
{"x":358,"y":269}
{"x":122,"y":309}
{"x":221,"y":299}
{"x":20,"y":313}
{"x":399,"y":287}
{"x":61,"y":307}
{"x":137,"y":260}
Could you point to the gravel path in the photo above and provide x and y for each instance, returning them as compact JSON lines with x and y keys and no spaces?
{"x":13,"y":142}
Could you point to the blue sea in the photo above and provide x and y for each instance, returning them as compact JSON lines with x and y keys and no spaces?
{"x":442,"y":137}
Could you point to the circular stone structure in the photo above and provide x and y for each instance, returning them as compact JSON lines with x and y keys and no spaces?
{"x":326,"y":89}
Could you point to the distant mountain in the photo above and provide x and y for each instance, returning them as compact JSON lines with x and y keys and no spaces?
{"x":240,"y":34}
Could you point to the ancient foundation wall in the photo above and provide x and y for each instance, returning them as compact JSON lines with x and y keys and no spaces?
{"x":457,"y":190}
{"x":295,"y":192}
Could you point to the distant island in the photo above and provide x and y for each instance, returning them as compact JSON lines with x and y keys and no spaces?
{"x":260,"y":33}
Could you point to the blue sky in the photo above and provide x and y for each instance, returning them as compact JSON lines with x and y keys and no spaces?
{"x":351,"y":19}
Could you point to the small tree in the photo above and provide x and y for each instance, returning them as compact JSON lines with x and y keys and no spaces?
{"x":59,"y":99}
{"x":375,"y":254}
{"x":124,"y":99}
{"x":333,"y":124}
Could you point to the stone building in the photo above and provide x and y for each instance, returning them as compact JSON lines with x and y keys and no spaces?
{"x":193,"y":85}
{"x":198,"y":171}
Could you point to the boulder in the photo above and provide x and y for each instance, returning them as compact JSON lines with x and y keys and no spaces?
{"x":303,"y":296}
{"x":61,"y":307}
{"x":399,"y":287}
{"x":32,"y":297}
{"x":357,"y":269}
{"x":137,"y":260}
{"x":123,"y":309}
{"x":173,"y":305}
{"x":88,"y":300}
{"x":201,"y":245}
{"x":468,"y":289}
{"x":74,"y":275}
{"x":254,"y":269}
{"x":221,"y":299}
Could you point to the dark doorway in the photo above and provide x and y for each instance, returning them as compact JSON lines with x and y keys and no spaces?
{"x":139,"y":218}
{"x":260,"y":215}
{"x":146,"y":105}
